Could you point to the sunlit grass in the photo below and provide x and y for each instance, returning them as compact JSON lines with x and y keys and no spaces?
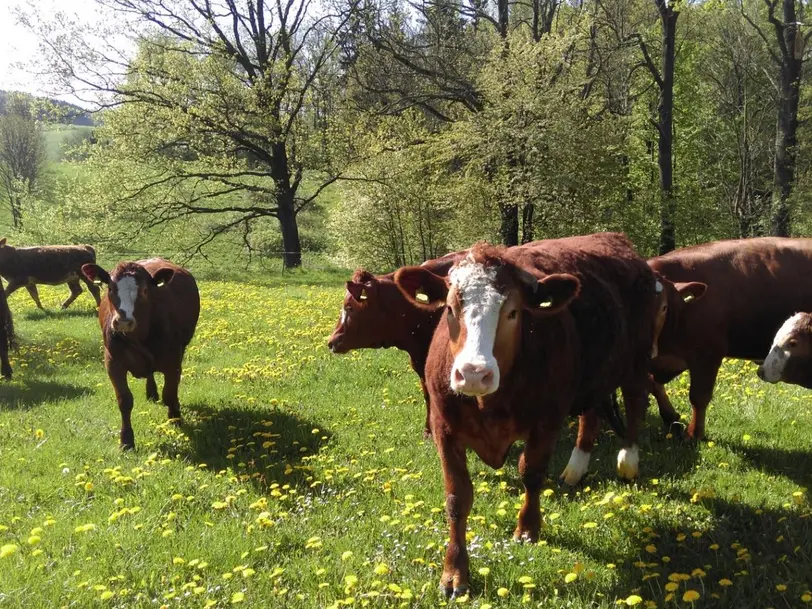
{"x":301,"y":479}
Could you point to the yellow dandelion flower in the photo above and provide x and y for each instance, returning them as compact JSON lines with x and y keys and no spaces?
{"x":633,"y":600}
{"x":525,"y":579}
{"x":484,"y":571}
{"x":651,"y":549}
{"x":107,"y":594}
{"x":690,"y":596}
{"x":34,"y":540}
{"x":502,"y":592}
{"x":8,"y":550}
{"x":237,"y":597}
{"x":570,"y":577}
{"x":671,"y":586}
{"x":781,"y":588}
{"x":346,"y":555}
{"x":714,"y":546}
{"x":381,"y":569}
{"x":39,"y":433}
{"x":807,"y":598}
{"x":725,"y":582}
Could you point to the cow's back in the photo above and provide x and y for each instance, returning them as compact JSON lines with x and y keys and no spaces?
{"x":753,"y":286}
{"x":614,"y":311}
{"x":48,"y":264}
{"x":177,"y":302}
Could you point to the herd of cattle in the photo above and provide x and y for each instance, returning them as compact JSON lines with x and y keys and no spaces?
{"x":507,"y":342}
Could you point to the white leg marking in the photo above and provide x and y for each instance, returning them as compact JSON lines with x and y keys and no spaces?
{"x":127,"y":294}
{"x":628,"y":463}
{"x":577,"y":466}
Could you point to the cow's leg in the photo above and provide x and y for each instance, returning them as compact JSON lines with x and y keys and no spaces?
{"x":427,"y":424}
{"x":668,"y":413}
{"x":152,"y":388}
{"x":588,"y":429}
{"x":12,"y":286}
{"x":703,"y":378}
{"x":169,"y":395}
{"x":533,"y":469}
{"x":32,"y":290}
{"x":5,"y":365}
{"x":635,"y":397}
{"x":75,"y":290}
{"x":93,"y":288}
{"x":124,"y":397}
{"x":459,"y":497}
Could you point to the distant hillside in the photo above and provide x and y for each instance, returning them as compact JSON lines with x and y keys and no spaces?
{"x":54,"y":110}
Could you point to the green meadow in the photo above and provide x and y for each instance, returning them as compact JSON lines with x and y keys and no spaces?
{"x":300,"y":478}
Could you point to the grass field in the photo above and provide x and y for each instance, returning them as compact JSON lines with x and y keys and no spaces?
{"x":301,"y":479}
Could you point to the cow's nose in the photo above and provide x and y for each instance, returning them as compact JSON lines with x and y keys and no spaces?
{"x":334,"y":344}
{"x":123,"y":325}
{"x":760,"y":372}
{"x":474,"y":379}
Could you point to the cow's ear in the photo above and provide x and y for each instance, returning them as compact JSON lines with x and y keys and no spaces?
{"x":422,"y":287}
{"x":2,"y":242}
{"x":358,"y":291}
{"x":163,"y":276}
{"x":552,"y":294}
{"x":691,"y":292}
{"x":96,"y":274}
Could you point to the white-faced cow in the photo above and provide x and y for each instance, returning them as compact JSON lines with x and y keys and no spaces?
{"x":147,"y":317}
{"x":530,"y":336}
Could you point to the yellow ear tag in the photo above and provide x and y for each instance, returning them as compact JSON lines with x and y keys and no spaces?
{"x":363,"y":294}
{"x":546,"y":304}
{"x":422,"y":297}
{"x":688,"y":298}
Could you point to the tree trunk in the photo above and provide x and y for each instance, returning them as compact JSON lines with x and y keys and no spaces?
{"x":527,"y":222}
{"x":665,"y":126}
{"x":510,"y":224}
{"x":787,"y":124}
{"x":292,"y":254}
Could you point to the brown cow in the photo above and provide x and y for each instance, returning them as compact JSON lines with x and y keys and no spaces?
{"x":753,"y":285}
{"x":7,"y":337}
{"x":49,"y":265}
{"x":148,"y":317}
{"x":375,"y":315}
{"x":790,"y":358}
{"x":529,"y":336}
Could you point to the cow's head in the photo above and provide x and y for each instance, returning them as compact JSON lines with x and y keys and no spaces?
{"x":360,"y":323}
{"x":487,"y":298}
{"x":790,"y":358}
{"x":673,"y":301}
{"x":5,"y":249}
{"x":129,"y":288}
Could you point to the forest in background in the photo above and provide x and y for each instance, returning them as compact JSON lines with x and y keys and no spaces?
{"x":385,"y":132}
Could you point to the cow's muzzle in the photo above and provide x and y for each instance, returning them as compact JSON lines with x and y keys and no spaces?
{"x":122,"y":324}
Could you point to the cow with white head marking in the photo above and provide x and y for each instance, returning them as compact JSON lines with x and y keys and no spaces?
{"x":790,"y":357}
{"x":530,"y":336}
{"x":147,"y":317}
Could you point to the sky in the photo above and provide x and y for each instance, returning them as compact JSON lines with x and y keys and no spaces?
{"x":18,"y":45}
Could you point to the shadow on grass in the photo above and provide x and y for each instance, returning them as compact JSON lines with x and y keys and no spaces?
{"x":39,"y":315}
{"x":792,"y":463}
{"x":263,"y":445}
{"x":28,"y":393}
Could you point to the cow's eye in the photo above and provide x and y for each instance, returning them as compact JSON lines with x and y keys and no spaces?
{"x":793,"y":343}
{"x":512,"y":314}
{"x":450,"y":311}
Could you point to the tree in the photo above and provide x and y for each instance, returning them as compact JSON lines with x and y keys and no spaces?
{"x":22,"y":153}
{"x":789,"y":59}
{"x":222,"y":103}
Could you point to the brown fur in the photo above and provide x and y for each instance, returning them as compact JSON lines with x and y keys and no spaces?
{"x":166,"y":314}
{"x":753,"y":286}
{"x":561,"y":362}
{"x":48,"y":264}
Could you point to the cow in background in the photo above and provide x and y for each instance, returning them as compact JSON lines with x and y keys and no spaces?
{"x":147,"y":317}
{"x":744,"y":290}
{"x":375,"y":314}
{"x":790,"y":357}
{"x":530,"y":336}
{"x":47,"y":264}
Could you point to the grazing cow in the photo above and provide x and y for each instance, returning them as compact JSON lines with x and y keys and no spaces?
{"x":147,"y":318}
{"x":375,"y":314}
{"x":750,"y":287}
{"x":49,"y":265}
{"x":530,"y":336}
{"x":7,"y":337}
{"x":790,"y":358}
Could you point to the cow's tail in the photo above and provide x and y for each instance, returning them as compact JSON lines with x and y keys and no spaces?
{"x":610,"y":410}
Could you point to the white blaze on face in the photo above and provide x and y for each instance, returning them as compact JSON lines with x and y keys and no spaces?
{"x":773,"y":366}
{"x":481,"y":305}
{"x":127,"y":294}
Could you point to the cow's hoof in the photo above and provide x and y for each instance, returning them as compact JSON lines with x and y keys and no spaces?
{"x":453,"y":592}
{"x":628,"y":463}
{"x":676,"y":430}
{"x":525,"y":535}
{"x":127,"y":447}
{"x":127,"y":439}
